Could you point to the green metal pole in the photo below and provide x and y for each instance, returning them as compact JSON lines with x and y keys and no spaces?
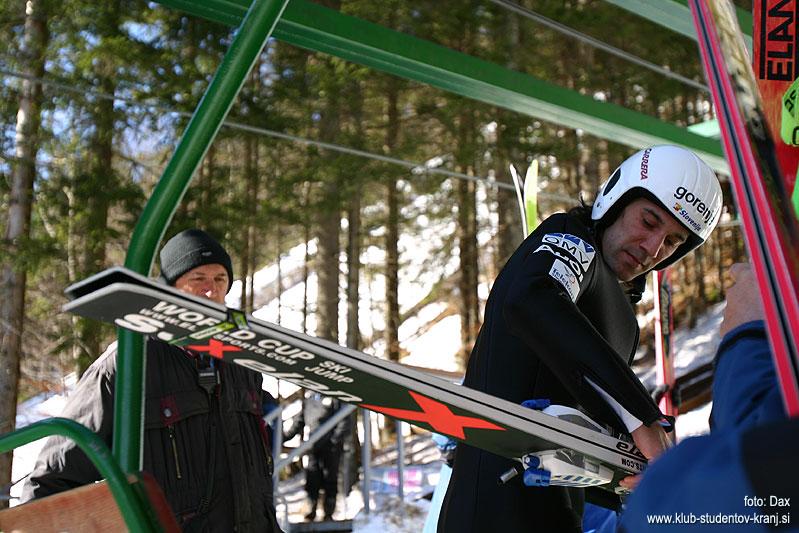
{"x":95,"y":449}
{"x":250,"y":39}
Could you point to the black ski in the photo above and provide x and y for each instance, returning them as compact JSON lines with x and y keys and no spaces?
{"x":137,"y":303}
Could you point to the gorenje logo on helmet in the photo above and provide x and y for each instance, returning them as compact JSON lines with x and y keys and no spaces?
{"x":692,"y":199}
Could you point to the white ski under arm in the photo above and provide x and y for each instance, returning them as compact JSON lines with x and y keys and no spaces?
{"x":630,"y":422}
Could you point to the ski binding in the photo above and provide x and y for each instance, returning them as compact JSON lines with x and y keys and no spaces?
{"x":562,"y":467}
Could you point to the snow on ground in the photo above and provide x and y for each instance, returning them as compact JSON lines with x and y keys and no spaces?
{"x":435,"y":347}
{"x":693,"y":347}
{"x":694,"y":423}
{"x":41,"y":406}
{"x":392,"y":515}
{"x":387,"y":512}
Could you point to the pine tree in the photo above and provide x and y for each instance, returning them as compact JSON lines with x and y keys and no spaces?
{"x":13,"y":275}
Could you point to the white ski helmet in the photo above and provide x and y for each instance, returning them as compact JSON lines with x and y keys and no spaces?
{"x":675,"y":178}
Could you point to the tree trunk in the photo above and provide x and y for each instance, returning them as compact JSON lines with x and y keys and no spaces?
{"x":328,"y":220}
{"x":699,"y":273}
{"x":690,"y":271}
{"x":509,"y":221}
{"x":353,"y":272}
{"x":306,"y":262}
{"x":507,"y":152}
{"x":352,"y":444}
{"x":251,"y":179}
{"x":355,"y":239}
{"x":467,"y":236}
{"x":392,"y":233}
{"x":327,"y":269}
{"x":279,"y":280}
{"x":593,"y":165}
{"x":17,"y":231}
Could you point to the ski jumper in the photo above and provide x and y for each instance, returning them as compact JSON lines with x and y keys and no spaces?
{"x":556,"y":317}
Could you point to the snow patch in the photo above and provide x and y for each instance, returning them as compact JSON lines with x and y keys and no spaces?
{"x":391,"y":515}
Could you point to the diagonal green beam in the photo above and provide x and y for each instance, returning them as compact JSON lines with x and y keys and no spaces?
{"x":317,"y":28}
{"x":676,"y":16}
{"x":253,"y":31}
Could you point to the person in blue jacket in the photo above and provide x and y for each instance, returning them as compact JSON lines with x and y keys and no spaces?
{"x":742,"y":477}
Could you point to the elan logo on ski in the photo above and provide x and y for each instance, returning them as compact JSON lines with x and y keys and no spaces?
{"x":438,"y":415}
{"x":777,"y":31}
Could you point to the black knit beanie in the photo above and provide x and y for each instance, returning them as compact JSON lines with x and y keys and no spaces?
{"x":189,"y":249}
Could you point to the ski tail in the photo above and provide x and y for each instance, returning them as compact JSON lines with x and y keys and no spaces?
{"x":664,"y":356}
{"x":770,"y":226}
{"x":531,"y":197}
{"x":527,"y":196}
{"x":517,"y":184}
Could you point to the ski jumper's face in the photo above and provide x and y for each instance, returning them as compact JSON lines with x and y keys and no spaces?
{"x":641,"y":237}
{"x":206,"y":281}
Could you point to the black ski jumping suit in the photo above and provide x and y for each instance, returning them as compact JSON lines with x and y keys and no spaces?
{"x":556,"y":315}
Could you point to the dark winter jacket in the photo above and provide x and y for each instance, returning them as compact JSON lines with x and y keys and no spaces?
{"x":745,"y":471}
{"x":198,"y":446}
{"x":556,"y":315}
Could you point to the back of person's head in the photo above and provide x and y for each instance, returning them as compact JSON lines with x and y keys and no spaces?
{"x":190,"y":249}
{"x":674,"y":178}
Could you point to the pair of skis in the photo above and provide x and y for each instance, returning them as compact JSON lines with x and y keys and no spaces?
{"x":142,"y":305}
{"x":762,"y":166}
{"x":527,"y":196}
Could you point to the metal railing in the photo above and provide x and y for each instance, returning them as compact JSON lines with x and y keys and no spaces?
{"x":276,"y":416}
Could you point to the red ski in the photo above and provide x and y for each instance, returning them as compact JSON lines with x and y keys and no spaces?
{"x":759,"y":182}
{"x":664,"y":357}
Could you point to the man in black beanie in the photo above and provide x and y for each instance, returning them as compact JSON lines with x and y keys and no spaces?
{"x":204,"y":439}
{"x":190,"y":250}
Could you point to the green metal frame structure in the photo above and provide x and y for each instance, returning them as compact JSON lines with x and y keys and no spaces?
{"x":320,"y":29}
{"x":676,"y":16}
{"x":250,"y":39}
{"x":314,"y":27}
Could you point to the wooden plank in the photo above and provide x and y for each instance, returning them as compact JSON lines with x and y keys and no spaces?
{"x":86,"y":509}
